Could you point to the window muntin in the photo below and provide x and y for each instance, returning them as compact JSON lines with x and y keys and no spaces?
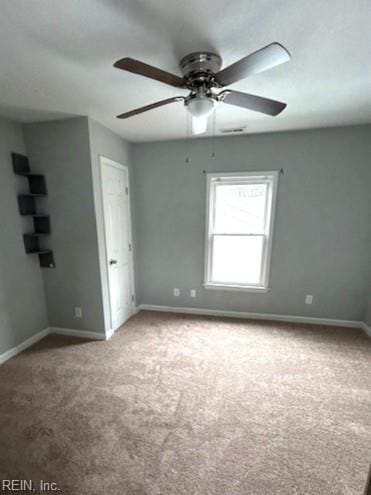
{"x":240,"y":210}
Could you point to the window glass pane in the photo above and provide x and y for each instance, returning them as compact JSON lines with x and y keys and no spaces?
{"x":240,"y":208}
{"x":237,"y":259}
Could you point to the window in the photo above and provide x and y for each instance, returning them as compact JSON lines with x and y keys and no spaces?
{"x":239,"y":226}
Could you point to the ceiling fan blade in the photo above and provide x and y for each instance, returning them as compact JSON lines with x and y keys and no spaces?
{"x":150,"y":107}
{"x":137,"y":67}
{"x":252,"y":102}
{"x":259,"y":61}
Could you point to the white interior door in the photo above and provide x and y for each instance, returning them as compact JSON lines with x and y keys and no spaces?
{"x":116,"y":210}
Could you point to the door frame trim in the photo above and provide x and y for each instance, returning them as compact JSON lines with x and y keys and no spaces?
{"x":101,"y":235}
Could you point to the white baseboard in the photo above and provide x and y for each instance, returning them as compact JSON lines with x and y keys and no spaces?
{"x":48,"y":331}
{"x":109,"y":333}
{"x":254,"y":316}
{"x":197,"y":311}
{"x":21,"y":347}
{"x":366,"y":328}
{"x":78,"y":333}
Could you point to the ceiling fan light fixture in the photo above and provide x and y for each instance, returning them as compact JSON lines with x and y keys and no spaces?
{"x":200,"y":106}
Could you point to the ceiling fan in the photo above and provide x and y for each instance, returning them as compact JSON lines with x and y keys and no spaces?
{"x":202,"y":77}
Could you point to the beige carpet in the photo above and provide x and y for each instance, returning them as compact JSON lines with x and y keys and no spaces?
{"x":185,"y":405}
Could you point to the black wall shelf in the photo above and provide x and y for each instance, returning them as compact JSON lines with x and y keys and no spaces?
{"x":35,"y":234}
{"x":27,"y":204}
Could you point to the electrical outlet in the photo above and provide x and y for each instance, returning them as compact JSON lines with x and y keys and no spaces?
{"x":308,"y":299}
{"x":78,"y":312}
{"x":176,"y":292}
{"x":193,"y":292}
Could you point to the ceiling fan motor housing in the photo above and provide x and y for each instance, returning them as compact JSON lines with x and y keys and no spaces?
{"x":199,"y":68}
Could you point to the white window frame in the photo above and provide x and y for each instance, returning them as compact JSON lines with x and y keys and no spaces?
{"x":271,"y":178}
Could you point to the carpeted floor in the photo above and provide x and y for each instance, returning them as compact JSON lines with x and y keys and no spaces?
{"x":186,"y":405}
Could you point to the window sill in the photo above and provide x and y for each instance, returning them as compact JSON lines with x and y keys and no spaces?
{"x":239,"y":288}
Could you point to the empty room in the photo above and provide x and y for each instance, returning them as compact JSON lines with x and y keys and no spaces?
{"x":185,"y":247}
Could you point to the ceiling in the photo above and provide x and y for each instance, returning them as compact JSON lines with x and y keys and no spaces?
{"x":56,"y":60}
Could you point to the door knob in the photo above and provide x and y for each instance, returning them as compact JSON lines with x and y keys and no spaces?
{"x":112,"y":262}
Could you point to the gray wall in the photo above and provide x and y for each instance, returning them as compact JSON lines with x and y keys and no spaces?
{"x":68,"y":151}
{"x":103,"y":142}
{"x":367,"y":313}
{"x":320,"y":241}
{"x":367,"y":317}
{"x":61,"y":150}
{"x":22,"y":304}
{"x":321,"y":245}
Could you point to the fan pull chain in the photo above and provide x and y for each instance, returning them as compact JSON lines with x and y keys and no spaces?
{"x":213,"y":133}
{"x":188,"y":136}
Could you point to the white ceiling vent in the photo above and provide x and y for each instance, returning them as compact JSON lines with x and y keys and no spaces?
{"x":233,"y":130}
